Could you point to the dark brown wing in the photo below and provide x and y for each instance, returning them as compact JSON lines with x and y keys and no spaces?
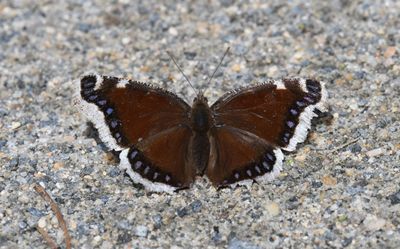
{"x":136,"y":117}
{"x":239,"y":156}
{"x":255,"y":121}
{"x":161,"y":163}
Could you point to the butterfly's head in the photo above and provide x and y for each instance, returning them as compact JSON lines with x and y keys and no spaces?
{"x":200,"y":100}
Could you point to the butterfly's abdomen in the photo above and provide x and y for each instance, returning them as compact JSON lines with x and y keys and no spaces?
{"x":199,"y":148}
{"x":199,"y":152}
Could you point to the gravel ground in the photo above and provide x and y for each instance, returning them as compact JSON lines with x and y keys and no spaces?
{"x":341,"y":188}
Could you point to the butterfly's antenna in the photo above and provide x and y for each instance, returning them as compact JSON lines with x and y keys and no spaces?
{"x":180,"y":69}
{"x":219,"y":64}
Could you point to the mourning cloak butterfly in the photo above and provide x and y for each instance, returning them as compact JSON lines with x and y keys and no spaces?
{"x":165,"y":143}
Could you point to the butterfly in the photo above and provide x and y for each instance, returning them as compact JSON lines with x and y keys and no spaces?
{"x":165,"y":142}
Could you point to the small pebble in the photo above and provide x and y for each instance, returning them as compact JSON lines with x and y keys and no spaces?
{"x":58,"y":165}
{"x":273,"y":208}
{"x":373,"y":223}
{"x":15,"y":125}
{"x":375,"y":152}
{"x":329,"y":180}
{"x":42,"y":222}
{"x":390,"y":51}
{"x":126,"y":40}
{"x":236,"y":68}
{"x":141,"y":231}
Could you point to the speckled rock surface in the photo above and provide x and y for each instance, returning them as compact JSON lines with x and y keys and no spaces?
{"x":330,"y":195}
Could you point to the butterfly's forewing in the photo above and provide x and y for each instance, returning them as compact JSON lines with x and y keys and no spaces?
{"x":273,"y":115}
{"x":140,"y":120}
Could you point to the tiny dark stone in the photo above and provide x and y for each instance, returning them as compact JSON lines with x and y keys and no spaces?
{"x":22,"y":224}
{"x":360,"y":75}
{"x":394,"y":198}
{"x":13,"y":164}
{"x":124,"y":238}
{"x":316,"y":184}
{"x":361,"y":183}
{"x":292,"y":203}
{"x":293,"y":199}
{"x":354,"y":190}
{"x":33,"y":163}
{"x":216,"y":236}
{"x":355,"y":148}
{"x":182,"y":212}
{"x":3,"y":112}
{"x":35,"y":212}
{"x":2,"y":143}
{"x":329,"y":235}
{"x":157,"y":219}
{"x":104,"y":199}
{"x":113,"y":172}
{"x":59,"y":200}
{"x":83,"y":229}
{"x":196,"y":206}
{"x":87,"y":170}
{"x":347,"y":241}
{"x":383,"y":122}
{"x":85,"y":27}
{"x":190,"y":55}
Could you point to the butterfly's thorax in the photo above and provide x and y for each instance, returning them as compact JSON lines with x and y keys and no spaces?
{"x":200,"y":118}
